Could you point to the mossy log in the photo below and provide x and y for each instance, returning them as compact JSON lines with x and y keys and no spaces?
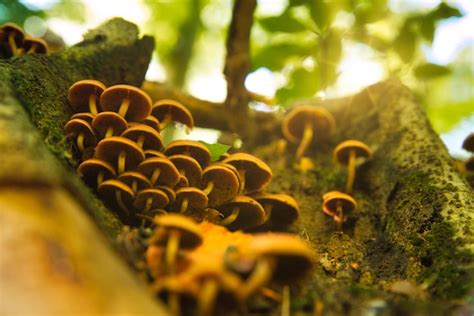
{"x":54,"y":258}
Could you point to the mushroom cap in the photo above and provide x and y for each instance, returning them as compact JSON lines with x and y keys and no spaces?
{"x":160,"y":199}
{"x":108,"y":149}
{"x":89,"y":170}
{"x":182,"y":183}
{"x":257,"y":173}
{"x":107,"y":191}
{"x":151,"y":153}
{"x":191,"y":235}
{"x":85,"y":116}
{"x":331,"y":199}
{"x":251,"y":213}
{"x":169,"y":175}
{"x":169,"y":192}
{"x":77,"y":126}
{"x":192,"y":148}
{"x":341,"y":152}
{"x":190,"y":166}
{"x":8,"y":28}
{"x":293,"y":258}
{"x":469,"y":164}
{"x":79,"y":92}
{"x":319,"y":118}
{"x":128,"y":177}
{"x":226,"y":183}
{"x":103,"y":120}
{"x":285,"y":209}
{"x":196,"y":199}
{"x":152,"y":137}
{"x":175,"y":110}
{"x":41,"y":46}
{"x":468,"y":143}
{"x":149,"y":121}
{"x":140,"y":102}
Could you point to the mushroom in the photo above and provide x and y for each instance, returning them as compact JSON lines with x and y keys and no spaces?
{"x":338,"y":205}
{"x":468,"y":143}
{"x":254,"y":173}
{"x":120,"y":152}
{"x":304,"y":122}
{"x":220,"y":183}
{"x":189,"y":198}
{"x":108,"y":124}
{"x":82,"y":131}
{"x":34,"y":46}
{"x":95,"y":171}
{"x":118,"y":194}
{"x":85,"y":116}
{"x":188,"y":167}
{"x":469,"y":164}
{"x":175,"y":231}
{"x":167,"y":111}
{"x":84,"y":96}
{"x":242,"y":212}
{"x":150,"y":153}
{"x":145,"y":137}
{"x":346,"y":153}
{"x":159,"y":170}
{"x":149,"y":199}
{"x":168,"y":191}
{"x":135,"y":180}
{"x":150,"y":120}
{"x":192,"y":148}
{"x":130,"y":102}
{"x":281,"y":210}
{"x":14,"y":36}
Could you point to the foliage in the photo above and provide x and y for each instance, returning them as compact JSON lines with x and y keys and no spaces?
{"x":217,"y":150}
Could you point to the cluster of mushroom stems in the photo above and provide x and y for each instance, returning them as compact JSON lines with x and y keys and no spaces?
{"x":14,"y":42}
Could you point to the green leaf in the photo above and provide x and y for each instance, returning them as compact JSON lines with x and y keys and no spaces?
{"x":445,"y":11}
{"x":302,"y":83}
{"x":329,"y":56}
{"x":429,"y":71}
{"x":276,"y":56}
{"x":406,"y":41}
{"x":427,"y":28}
{"x":284,"y":23}
{"x":321,"y":13}
{"x":217,"y":150}
{"x":294,"y":3}
{"x":368,"y":11}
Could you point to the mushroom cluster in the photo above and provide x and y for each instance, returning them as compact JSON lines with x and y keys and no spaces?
{"x":205,"y":269}
{"x":14,"y":42}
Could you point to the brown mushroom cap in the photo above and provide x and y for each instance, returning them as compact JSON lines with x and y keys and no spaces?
{"x":159,"y":199}
{"x":191,"y":235}
{"x":318,"y":118}
{"x":11,"y":28}
{"x":169,"y":175}
{"x":469,"y":164}
{"x":226,"y":183}
{"x":196,"y":199}
{"x":85,"y":116}
{"x":192,"y":148}
{"x":109,"y":149}
{"x":132,"y":177}
{"x":284,"y":209}
{"x":251,"y":213}
{"x":468,"y":143}
{"x":169,"y":192}
{"x":341,"y":152}
{"x":331,"y":199}
{"x":152,"y":122}
{"x":292,"y":256}
{"x":152,"y":139}
{"x":150,"y":153}
{"x":140,"y":103}
{"x":79,"y":92}
{"x":38,"y":45}
{"x":90,"y":169}
{"x":257,"y":173}
{"x":77,"y":126}
{"x":108,"y":189}
{"x":167,"y":109}
{"x":190,"y":166}
{"x":104,"y":120}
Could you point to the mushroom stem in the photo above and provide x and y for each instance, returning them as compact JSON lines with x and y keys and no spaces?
{"x":285,"y":305}
{"x":209,"y":187}
{"x":109,"y":132}
{"x":121,"y":162}
{"x":32,"y":49}
{"x":207,"y":297}
{"x":92,"y":104}
{"x":134,"y":186}
{"x":172,"y":249}
{"x":100,"y":178}
{"x":173,"y":303}
{"x":351,"y":171}
{"x":124,"y":107}
{"x":231,"y":218}
{"x":242,"y":180}
{"x":13,"y":47}
{"x":80,"y":142}
{"x":166,"y":121}
{"x":340,"y":216}
{"x":140,"y":141}
{"x":155,"y":175}
{"x":184,"y":205}
{"x":305,"y":141}
{"x":118,"y":199}
{"x":268,"y":212}
{"x":148,"y":205}
{"x":260,"y":276}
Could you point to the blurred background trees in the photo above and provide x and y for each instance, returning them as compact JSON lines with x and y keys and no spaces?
{"x":300,"y":49}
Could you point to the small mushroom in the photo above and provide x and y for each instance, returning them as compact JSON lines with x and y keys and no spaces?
{"x":14,"y":36}
{"x":220,"y":183}
{"x":168,"y":111}
{"x":119,"y":195}
{"x":281,"y":210}
{"x":34,"y":46}
{"x":255,"y":174}
{"x":85,"y":116}
{"x":130,"y":102}
{"x":160,"y":170}
{"x":347,"y":153}
{"x":82,"y":132}
{"x":149,"y":199}
{"x":145,"y":137}
{"x":188,"y":167}
{"x":192,"y":148}
{"x":189,"y":198}
{"x":95,"y":171}
{"x":468,"y":143}
{"x":120,"y":152}
{"x":338,"y":205}
{"x":108,"y":124}
{"x":169,"y":192}
{"x":304,"y":122}
{"x":242,"y":212}
{"x":135,"y":180}
{"x":469,"y":164}
{"x":84,"y":96}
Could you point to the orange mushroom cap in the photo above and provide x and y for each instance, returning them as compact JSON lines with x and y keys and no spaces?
{"x":320,"y":119}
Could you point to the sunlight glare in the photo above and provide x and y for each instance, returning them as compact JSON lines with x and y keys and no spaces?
{"x":262,"y":82}
{"x":209,"y":86}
